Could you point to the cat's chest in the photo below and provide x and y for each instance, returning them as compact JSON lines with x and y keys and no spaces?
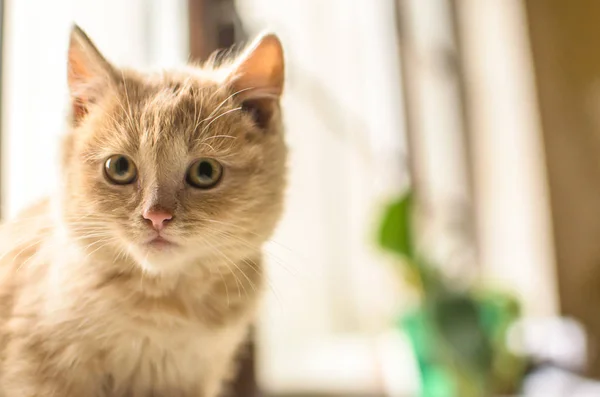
{"x":158,"y":347}
{"x":166,"y":355}
{"x":140,"y":355}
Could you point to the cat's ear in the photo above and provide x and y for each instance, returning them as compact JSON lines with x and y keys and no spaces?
{"x":258,"y":75}
{"x":88,"y":72}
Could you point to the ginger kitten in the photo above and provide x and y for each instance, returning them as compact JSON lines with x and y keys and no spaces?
{"x":143,"y":277}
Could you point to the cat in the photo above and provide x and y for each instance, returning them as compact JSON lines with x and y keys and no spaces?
{"x":142,"y":275}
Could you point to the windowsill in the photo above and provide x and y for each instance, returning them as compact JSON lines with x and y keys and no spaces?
{"x":345,"y":365}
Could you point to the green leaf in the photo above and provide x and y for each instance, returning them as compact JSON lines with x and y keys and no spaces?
{"x":395,"y":233}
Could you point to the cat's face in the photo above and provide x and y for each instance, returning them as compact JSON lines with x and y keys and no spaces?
{"x":174,"y":167}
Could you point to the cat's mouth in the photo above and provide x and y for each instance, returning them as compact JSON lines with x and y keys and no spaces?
{"x":159,"y":242}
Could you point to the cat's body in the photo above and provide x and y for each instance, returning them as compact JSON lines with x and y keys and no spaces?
{"x":142,"y":279}
{"x":122,"y":334}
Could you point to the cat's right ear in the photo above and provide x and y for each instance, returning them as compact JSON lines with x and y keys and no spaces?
{"x":88,"y":72}
{"x":257,"y":77}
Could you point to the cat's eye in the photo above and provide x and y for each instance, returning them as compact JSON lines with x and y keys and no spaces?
{"x":205,"y":173}
{"x":120,"y":170}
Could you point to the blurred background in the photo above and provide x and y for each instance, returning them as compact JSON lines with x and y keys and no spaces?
{"x":484,"y":113}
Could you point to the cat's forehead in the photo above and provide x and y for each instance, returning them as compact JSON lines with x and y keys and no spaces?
{"x":179,"y":101}
{"x":167,"y":111}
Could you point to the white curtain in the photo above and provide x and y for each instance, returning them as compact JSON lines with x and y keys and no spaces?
{"x":333,"y":296}
{"x":513,"y":209}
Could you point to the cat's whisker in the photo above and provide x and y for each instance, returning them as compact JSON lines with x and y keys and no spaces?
{"x":237,"y":268}
{"x":252,"y":285}
{"x":21,"y":241}
{"x":209,"y":146}
{"x":264,"y":274}
{"x":25,"y":263}
{"x":110,"y":116}
{"x":117,"y":254}
{"x":238,"y":282}
{"x":196,"y":114}
{"x":94,"y":236}
{"x":29,"y":246}
{"x":218,"y":136}
{"x":20,"y":219}
{"x":245,"y":230}
{"x":278,"y":259}
{"x":128,"y":113}
{"x":88,"y":228}
{"x":225,"y":284}
{"x":88,"y":224}
{"x":271,"y":286}
{"x":103,"y":244}
{"x":98,"y":241}
{"x":218,"y":117}
{"x":220,"y":105}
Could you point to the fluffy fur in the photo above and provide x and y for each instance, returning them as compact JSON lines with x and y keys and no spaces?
{"x":87,"y":308}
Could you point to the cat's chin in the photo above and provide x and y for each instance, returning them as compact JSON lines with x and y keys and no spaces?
{"x":159,"y":262}
{"x":158,"y":256}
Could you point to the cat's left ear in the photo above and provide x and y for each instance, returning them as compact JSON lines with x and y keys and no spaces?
{"x":88,"y":72}
{"x":258,"y":75}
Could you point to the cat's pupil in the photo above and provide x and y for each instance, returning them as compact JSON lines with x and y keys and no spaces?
{"x":121,"y":166}
{"x":205,"y":170}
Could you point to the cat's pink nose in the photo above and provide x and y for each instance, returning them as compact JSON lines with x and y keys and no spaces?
{"x":158,"y":218}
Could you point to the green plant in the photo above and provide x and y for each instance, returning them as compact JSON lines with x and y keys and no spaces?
{"x":458,"y":335}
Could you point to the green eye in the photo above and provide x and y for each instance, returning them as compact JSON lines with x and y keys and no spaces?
{"x":120,"y":170}
{"x":204,"y":173}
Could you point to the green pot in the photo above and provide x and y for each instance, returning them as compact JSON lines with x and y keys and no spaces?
{"x":439,"y":378}
{"x":435,"y":378}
